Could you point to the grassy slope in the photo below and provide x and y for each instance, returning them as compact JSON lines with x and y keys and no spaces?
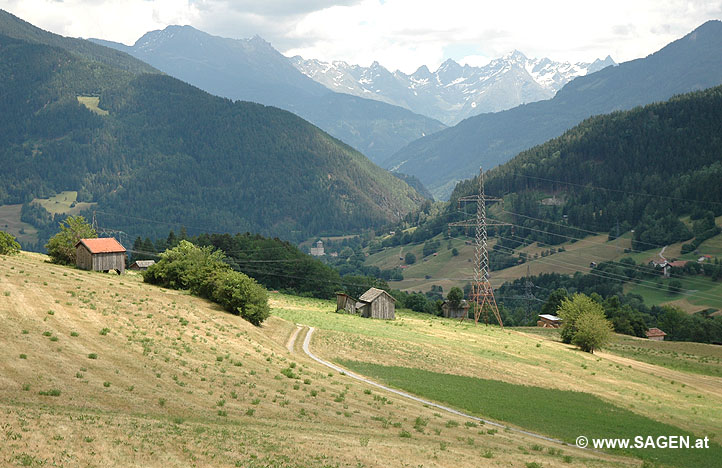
{"x":10,"y":222}
{"x":177,"y":382}
{"x":690,"y":401}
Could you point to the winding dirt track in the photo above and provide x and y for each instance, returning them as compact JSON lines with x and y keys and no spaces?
{"x":307,"y":342}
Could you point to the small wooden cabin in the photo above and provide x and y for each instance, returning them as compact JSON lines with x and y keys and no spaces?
{"x":377,"y":303}
{"x":460,"y":311}
{"x":141,"y":265}
{"x":655,"y":334}
{"x":101,"y":254}
{"x":345,"y":303}
{"x":549,"y":321}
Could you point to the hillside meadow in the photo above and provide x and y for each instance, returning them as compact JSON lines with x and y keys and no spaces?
{"x":98,"y":369}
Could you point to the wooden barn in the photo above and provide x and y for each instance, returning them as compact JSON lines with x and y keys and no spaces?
{"x":459,"y":311}
{"x":377,"y":303}
{"x":141,"y":265}
{"x":345,"y":303}
{"x":101,"y":254}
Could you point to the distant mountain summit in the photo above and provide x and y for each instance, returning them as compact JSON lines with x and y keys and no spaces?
{"x":691,"y":63}
{"x":252,"y":70}
{"x":453,"y":92}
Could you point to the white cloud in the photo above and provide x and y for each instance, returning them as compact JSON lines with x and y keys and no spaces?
{"x":401,"y":34}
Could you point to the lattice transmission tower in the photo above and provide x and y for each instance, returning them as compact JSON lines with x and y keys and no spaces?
{"x":482,"y":293}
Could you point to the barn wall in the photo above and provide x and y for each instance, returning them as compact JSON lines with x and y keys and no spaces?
{"x":109,"y":261}
{"x":383,"y":308}
{"x":83,"y":258}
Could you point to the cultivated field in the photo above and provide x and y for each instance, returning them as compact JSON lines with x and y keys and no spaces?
{"x":98,"y":369}
{"x":10,"y":223}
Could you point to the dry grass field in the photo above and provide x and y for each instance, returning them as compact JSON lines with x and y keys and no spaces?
{"x":104,"y":370}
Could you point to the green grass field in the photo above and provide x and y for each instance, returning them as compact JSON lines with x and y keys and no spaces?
{"x":699,"y":293}
{"x":561,"y":414}
{"x":697,"y":358}
{"x":10,"y":223}
{"x":64,"y":203}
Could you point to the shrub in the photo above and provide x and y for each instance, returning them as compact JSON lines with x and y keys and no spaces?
{"x":410,"y":258}
{"x":203,"y":271}
{"x":8,"y":244}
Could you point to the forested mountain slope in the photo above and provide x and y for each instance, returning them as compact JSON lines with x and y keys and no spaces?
{"x":252,"y":70}
{"x":440,"y":160}
{"x":639,"y":169}
{"x":157,"y":152}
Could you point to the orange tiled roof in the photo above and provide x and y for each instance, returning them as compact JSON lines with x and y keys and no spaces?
{"x":101,"y":245}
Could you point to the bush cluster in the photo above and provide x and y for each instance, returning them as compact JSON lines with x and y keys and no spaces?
{"x":203,"y":271}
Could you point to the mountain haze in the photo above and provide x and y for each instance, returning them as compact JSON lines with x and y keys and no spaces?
{"x":453,"y":92}
{"x":156,"y":153}
{"x":440,"y":160}
{"x":252,"y":70}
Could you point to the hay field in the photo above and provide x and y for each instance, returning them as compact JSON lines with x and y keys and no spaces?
{"x":102,"y":370}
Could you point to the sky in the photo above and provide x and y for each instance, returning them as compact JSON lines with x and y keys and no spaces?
{"x":399,"y":34}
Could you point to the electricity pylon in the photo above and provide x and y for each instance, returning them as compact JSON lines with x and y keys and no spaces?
{"x":482,"y":293}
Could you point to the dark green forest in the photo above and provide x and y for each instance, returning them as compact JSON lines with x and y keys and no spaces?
{"x":169,"y":155}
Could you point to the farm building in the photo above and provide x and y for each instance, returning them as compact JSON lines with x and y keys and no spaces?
{"x":376,"y":303}
{"x":655,"y":334}
{"x":101,"y":254}
{"x":549,"y":321}
{"x":345,"y":303}
{"x":141,"y":264}
{"x":460,"y":311}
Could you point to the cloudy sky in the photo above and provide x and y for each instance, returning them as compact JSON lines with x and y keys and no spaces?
{"x":400,"y":34}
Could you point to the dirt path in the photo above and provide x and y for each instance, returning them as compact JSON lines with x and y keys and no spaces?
{"x":292,"y":339}
{"x":306,"y":344}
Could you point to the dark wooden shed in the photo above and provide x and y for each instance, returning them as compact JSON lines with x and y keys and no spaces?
{"x":345,"y":303}
{"x":377,"y":303}
{"x":460,"y":311}
{"x":101,"y":254}
{"x":141,"y":264}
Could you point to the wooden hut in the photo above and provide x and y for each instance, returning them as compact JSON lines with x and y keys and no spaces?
{"x":377,"y":303}
{"x":459,"y":311}
{"x":141,"y":264}
{"x":345,"y":303}
{"x":101,"y":254}
{"x":549,"y":321}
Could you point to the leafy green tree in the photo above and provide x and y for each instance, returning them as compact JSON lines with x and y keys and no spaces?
{"x":61,"y":247}
{"x":674,"y":286}
{"x":8,"y":244}
{"x":410,"y":258}
{"x":455,"y":252}
{"x":571,"y":309}
{"x":455,"y":296}
{"x":593,"y":330}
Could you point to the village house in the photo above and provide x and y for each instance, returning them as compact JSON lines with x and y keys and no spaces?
{"x":318,"y":250}
{"x":101,"y":254}
{"x":655,"y":334}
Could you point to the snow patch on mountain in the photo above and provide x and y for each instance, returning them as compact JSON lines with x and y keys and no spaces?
{"x":453,"y":92}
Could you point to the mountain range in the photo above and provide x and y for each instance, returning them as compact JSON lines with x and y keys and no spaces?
{"x":252,"y":70}
{"x":153,"y":152}
{"x":693,"y":62}
{"x":453,"y":92}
